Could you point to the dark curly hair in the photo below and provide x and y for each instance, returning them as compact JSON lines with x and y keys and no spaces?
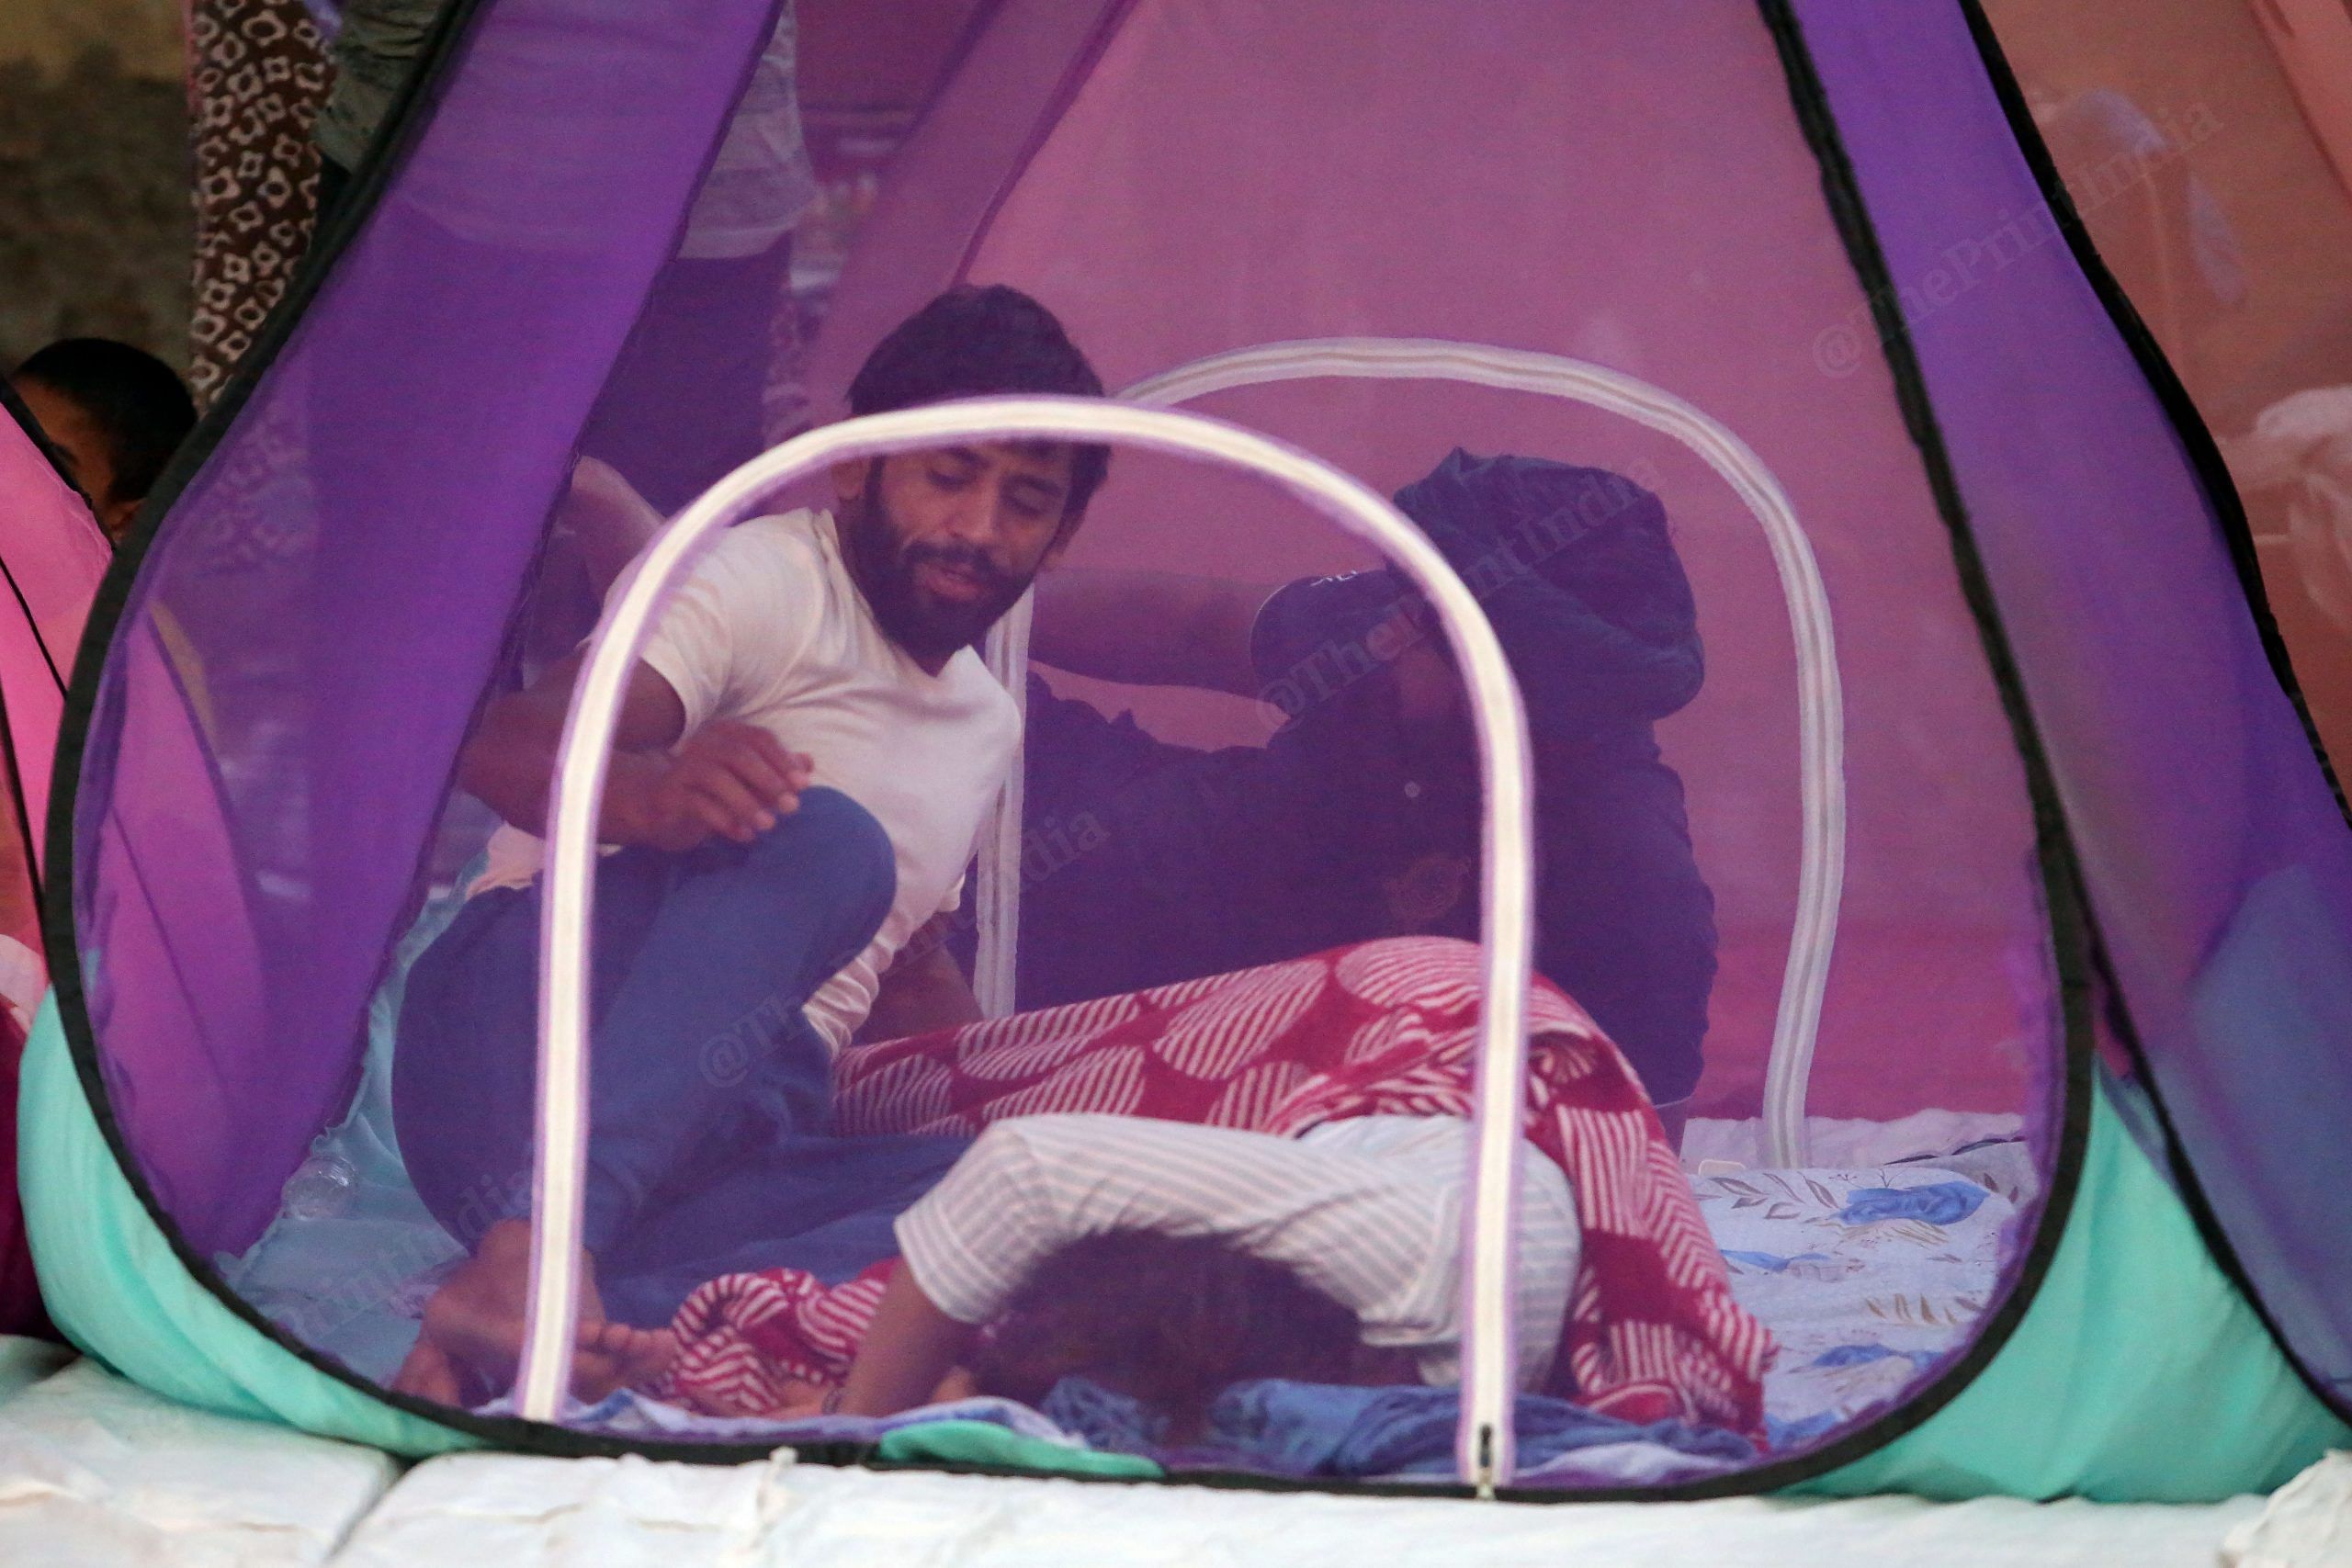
{"x":139,"y":403}
{"x":1170,"y":1321}
{"x":975,"y":341}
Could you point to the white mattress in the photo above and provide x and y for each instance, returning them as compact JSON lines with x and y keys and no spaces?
{"x":96,"y":1472}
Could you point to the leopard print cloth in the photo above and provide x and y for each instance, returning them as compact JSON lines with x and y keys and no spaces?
{"x":257,"y":72}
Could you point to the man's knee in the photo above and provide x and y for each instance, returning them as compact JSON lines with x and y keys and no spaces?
{"x":829,"y":833}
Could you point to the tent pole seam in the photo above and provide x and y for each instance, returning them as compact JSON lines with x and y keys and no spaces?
{"x":1074,"y":76}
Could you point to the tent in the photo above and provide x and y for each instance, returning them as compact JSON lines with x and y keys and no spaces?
{"x":2013,"y":905}
{"x":52,"y":555}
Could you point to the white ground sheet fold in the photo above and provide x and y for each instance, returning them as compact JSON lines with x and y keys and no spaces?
{"x":96,"y":1472}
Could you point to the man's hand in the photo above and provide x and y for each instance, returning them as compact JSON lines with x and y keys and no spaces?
{"x":726,"y":780}
{"x":472,"y":1334}
{"x":729,"y":780}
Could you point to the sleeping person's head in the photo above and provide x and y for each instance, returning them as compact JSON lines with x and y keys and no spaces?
{"x":114,"y":411}
{"x":1168,"y":1321}
{"x":945,"y":541}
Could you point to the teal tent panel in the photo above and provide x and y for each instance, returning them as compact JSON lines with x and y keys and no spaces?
{"x":2138,"y":1374}
{"x":985,"y":1443}
{"x":115,"y":1288}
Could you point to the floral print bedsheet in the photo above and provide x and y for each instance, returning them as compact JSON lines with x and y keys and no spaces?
{"x":1867,"y":1278}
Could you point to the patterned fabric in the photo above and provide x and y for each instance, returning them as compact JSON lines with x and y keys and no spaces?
{"x":257,"y":73}
{"x":1652,"y":1331}
{"x":1869,"y":1277}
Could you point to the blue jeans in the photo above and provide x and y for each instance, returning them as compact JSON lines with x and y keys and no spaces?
{"x":710,"y":1147}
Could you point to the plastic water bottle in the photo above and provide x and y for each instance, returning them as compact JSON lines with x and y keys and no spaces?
{"x":320,"y":1189}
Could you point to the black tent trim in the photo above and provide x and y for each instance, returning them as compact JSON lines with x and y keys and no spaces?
{"x":2073,"y":929}
{"x":2071,"y":925}
{"x":2237,"y":534}
{"x":56,"y":461}
{"x":14,"y":402}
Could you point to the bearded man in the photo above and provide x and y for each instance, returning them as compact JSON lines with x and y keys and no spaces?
{"x":806,"y":750}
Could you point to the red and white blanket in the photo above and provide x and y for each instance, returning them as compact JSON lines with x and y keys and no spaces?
{"x":1386,"y":1028}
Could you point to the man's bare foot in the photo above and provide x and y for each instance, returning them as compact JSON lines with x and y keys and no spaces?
{"x":473,"y":1323}
{"x":429,"y":1373}
{"x":473,"y":1328}
{"x":631,"y":1357}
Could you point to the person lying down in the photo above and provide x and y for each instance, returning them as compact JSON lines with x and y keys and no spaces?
{"x":1252,"y":1175}
{"x":1165,"y":1261}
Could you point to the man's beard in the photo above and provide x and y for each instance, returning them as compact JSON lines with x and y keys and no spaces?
{"x":885,"y":566}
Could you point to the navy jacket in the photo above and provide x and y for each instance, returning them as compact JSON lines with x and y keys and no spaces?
{"x":1150,"y":863}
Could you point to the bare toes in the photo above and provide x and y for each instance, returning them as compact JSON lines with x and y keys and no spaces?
{"x":428,"y":1374}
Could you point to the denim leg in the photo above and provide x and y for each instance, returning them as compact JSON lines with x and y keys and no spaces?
{"x":465,"y":1063}
{"x":704,"y":1042}
{"x":703,"y":963}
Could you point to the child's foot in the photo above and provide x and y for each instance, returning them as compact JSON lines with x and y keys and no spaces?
{"x":620,"y":1355}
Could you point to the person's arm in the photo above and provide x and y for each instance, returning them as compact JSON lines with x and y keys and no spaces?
{"x":1030,"y":1186}
{"x":923,"y":991}
{"x":728,"y":779}
{"x":609,"y":519}
{"x":1149,"y":628}
{"x":908,"y":1352}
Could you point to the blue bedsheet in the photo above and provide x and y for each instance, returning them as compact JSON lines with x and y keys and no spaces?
{"x":351,"y":1280}
{"x":1317,"y":1429}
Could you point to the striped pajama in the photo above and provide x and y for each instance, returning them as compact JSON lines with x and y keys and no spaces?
{"x":1367,"y":1210}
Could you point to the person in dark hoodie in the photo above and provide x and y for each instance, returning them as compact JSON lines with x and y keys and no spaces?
{"x":1359,"y":819}
{"x":1146,"y":861}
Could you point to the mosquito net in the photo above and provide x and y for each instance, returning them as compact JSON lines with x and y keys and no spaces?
{"x":1486,"y":342}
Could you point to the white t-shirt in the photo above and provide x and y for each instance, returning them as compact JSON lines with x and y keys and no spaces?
{"x":771,"y":630}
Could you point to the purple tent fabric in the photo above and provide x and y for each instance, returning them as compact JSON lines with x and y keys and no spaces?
{"x":2219,"y":865}
{"x":339,"y":573}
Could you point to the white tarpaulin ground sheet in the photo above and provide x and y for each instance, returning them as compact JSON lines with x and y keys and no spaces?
{"x":96,"y":1472}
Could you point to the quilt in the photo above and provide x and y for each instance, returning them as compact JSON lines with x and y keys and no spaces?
{"x":1652,"y":1331}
